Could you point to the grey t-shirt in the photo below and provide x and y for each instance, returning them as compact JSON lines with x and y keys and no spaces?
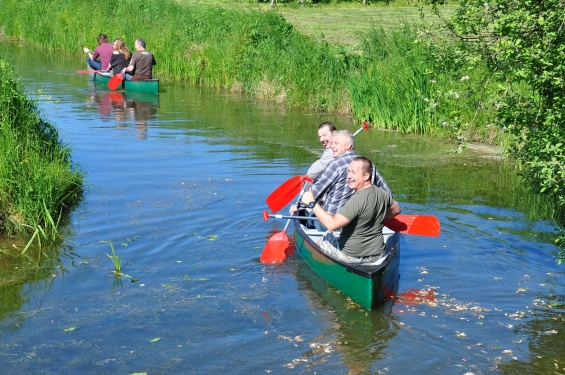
{"x":366,"y":210}
{"x":319,"y":165}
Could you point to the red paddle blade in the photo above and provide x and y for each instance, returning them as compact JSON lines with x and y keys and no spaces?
{"x":274,"y":251}
{"x":115,"y":81}
{"x":87,"y":71}
{"x":365,"y":125}
{"x":116,"y":97}
{"x":284,"y":193}
{"x":421,"y":225}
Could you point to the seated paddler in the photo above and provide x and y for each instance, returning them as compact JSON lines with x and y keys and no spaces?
{"x":360,"y":219}
{"x":331,"y":190}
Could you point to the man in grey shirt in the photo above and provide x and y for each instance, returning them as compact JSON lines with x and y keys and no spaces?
{"x":325,"y":132}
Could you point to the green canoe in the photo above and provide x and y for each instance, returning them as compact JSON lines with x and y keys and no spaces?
{"x":148,"y":86}
{"x":366,"y":285}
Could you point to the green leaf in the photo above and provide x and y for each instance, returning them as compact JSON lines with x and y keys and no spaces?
{"x":155,"y":339}
{"x":70,"y":329}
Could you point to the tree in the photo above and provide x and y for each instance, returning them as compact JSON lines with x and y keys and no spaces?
{"x":522,"y":42}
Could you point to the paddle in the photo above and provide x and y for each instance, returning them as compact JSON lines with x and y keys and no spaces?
{"x":88,"y":71}
{"x":274,"y":250}
{"x":284,"y":193}
{"x":364,"y":127}
{"x":418,"y":225}
{"x":288,"y":190}
{"x":115,"y":81}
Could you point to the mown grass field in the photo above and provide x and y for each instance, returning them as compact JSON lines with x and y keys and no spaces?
{"x":340,"y":24}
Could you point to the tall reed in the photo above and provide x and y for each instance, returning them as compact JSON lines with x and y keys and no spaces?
{"x":393,"y":82}
{"x":256,"y":52}
{"x":37,"y":178}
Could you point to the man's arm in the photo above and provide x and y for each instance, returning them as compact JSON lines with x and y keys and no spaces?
{"x":392,"y":211}
{"x":329,"y":221}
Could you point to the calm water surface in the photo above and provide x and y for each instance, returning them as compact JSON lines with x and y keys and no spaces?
{"x":178,"y":183}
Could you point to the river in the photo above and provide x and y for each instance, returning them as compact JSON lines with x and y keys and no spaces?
{"x":177,"y":182}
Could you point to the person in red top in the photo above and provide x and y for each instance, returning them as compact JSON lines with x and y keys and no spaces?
{"x":103,"y":51}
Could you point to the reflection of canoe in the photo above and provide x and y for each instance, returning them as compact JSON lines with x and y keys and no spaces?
{"x":366,"y":285}
{"x":145,"y":97}
{"x":148,"y":86}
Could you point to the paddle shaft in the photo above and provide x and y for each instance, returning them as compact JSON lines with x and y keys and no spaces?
{"x":420,"y":225}
{"x":365,"y":126}
{"x":88,"y":71}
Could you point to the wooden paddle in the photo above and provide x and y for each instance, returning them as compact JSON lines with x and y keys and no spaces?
{"x":115,"y":81}
{"x":418,"y":225}
{"x":284,"y":193}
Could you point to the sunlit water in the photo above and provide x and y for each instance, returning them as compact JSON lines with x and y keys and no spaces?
{"x":178,"y":183}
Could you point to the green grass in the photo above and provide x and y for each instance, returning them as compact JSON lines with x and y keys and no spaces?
{"x":367,"y":63}
{"x":37,"y":178}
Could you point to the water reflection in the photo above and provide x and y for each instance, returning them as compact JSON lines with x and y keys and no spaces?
{"x":360,"y":335}
{"x":127,"y":109}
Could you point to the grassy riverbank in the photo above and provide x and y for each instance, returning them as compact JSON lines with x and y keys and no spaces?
{"x":37,"y":178}
{"x":385,"y":78}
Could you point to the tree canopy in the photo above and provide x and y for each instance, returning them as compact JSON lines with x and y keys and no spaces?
{"x":522,"y":43}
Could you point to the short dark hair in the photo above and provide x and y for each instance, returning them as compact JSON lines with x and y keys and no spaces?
{"x":141,"y":42}
{"x":102,"y":38}
{"x":330,"y":126}
{"x":366,"y":165}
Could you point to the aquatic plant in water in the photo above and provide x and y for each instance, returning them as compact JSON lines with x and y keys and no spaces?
{"x":116,"y":259}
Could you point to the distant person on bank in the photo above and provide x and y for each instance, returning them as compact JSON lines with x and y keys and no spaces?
{"x":141,"y":65}
{"x":100,"y":58}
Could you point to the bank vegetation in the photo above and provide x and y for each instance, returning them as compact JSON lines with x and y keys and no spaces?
{"x":488,"y":72}
{"x":38,"y":181}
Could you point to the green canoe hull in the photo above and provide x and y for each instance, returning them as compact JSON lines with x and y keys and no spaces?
{"x":148,"y":86}
{"x":366,"y":285}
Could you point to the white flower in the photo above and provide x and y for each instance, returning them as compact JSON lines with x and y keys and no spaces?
{"x":464,"y":78}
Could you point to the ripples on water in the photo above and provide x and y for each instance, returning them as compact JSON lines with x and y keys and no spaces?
{"x":178,"y":185}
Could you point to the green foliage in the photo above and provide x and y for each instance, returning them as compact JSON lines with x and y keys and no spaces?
{"x":405,"y":82}
{"x":116,"y":260}
{"x":258,"y":53}
{"x":37,"y":179}
{"x":523,"y":43}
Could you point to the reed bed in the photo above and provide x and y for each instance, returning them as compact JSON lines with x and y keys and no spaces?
{"x":37,"y":178}
{"x":389,"y":81}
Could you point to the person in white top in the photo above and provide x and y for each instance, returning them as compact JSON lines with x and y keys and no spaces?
{"x":326,"y":131}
